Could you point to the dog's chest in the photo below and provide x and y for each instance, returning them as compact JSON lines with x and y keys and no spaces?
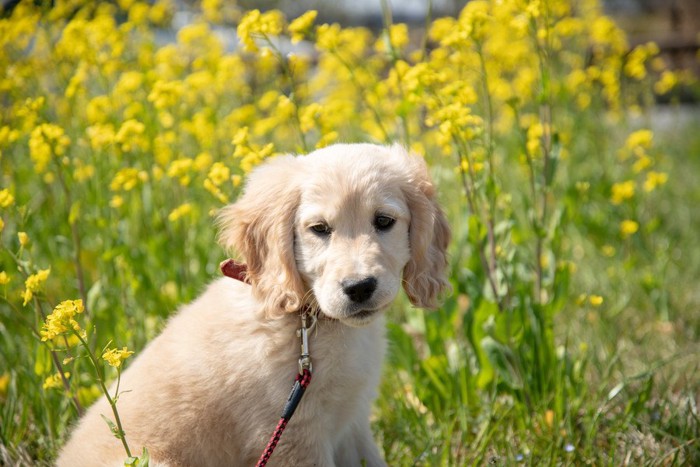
{"x":347,"y":364}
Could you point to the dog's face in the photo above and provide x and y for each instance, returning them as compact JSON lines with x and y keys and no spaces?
{"x":342,"y":228}
{"x":352,"y":239}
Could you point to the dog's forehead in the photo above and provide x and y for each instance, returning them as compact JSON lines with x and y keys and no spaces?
{"x":352,"y":181}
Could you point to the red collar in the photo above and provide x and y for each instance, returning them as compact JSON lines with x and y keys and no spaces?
{"x":235,"y":270}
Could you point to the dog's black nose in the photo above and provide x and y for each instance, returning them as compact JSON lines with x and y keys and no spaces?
{"x":359,"y":290}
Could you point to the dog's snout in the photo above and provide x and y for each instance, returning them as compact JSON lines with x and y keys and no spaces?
{"x":359,"y":290}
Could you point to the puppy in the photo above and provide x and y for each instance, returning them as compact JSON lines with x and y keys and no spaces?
{"x":338,"y":232}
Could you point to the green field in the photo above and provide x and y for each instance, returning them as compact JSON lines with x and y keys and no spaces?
{"x":572,"y":333}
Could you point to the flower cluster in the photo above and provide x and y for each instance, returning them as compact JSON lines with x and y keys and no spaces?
{"x":62,"y":320}
{"x":115,"y":357}
{"x":34,"y":283}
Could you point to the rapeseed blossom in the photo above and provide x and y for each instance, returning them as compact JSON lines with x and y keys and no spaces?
{"x":639,"y":139}
{"x":595,"y":300}
{"x":180,"y":211}
{"x":301,"y":26}
{"x":33,"y":284}
{"x":628,"y":227}
{"x":6,"y":198}
{"x":622,"y":191}
{"x":257,"y":25}
{"x":55,"y":381}
{"x":23,"y":238}
{"x":654,"y":180}
{"x":46,"y":142}
{"x":62,"y":320}
{"x":115,"y":357}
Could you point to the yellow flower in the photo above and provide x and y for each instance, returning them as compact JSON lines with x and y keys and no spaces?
{"x":116,"y":202}
{"x":622,"y":191}
{"x":215,"y":191}
{"x":549,"y":418}
{"x":628,"y":228}
{"x":130,"y":136}
{"x":255,"y":24}
{"x":166,"y":94}
{"x":328,"y":36}
{"x":4,"y":278}
{"x":6,"y":198}
{"x":181,"y":169}
{"x":125,"y":180}
{"x":654,"y":180}
{"x":83,"y":172}
{"x":639,"y":139}
{"x":219,"y":173}
{"x":180,"y":211}
{"x":666,"y":83}
{"x":33,"y":284}
{"x":326,"y":139}
{"x":62,"y":319}
{"x":98,"y":109}
{"x":300,"y":27}
{"x":397,"y":37}
{"x":23,"y":238}
{"x":2,"y":224}
{"x":4,"y":383}
{"x":46,"y":141}
{"x":101,"y":135}
{"x":115,"y":357}
{"x":55,"y":381}
{"x":643,"y":161}
{"x":534,"y":138}
{"x":129,"y":81}
{"x":595,"y":300}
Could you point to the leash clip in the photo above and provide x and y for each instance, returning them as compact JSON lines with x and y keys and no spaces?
{"x":303,"y":334}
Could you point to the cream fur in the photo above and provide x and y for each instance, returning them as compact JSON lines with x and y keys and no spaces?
{"x":209,"y":390}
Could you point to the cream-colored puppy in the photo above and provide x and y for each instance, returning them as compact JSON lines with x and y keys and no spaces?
{"x":339,"y":230}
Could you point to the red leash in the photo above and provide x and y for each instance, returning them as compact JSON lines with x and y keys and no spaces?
{"x":300,"y":384}
{"x":238,"y":271}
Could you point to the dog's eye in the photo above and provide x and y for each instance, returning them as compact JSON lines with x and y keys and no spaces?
{"x":383,"y":223}
{"x":321,"y":229}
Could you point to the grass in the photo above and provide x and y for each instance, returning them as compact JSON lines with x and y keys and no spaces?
{"x":571,"y":335}
{"x":626,"y":387}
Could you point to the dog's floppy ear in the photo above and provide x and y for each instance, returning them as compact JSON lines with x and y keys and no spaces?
{"x":260,"y":226}
{"x":429,"y":235}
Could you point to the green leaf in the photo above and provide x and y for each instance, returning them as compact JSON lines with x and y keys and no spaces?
{"x":484,"y":314}
{"x":94,"y":294}
{"x":502,"y":359}
{"x":112,"y":427}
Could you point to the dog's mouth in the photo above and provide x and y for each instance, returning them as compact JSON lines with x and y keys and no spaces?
{"x":363,"y":314}
{"x":361,"y":317}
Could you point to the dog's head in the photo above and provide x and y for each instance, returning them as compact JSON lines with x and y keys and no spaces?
{"x":343,"y":228}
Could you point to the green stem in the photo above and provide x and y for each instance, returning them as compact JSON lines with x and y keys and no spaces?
{"x":75,"y":237}
{"x":489,"y":268}
{"x":112,"y":402}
